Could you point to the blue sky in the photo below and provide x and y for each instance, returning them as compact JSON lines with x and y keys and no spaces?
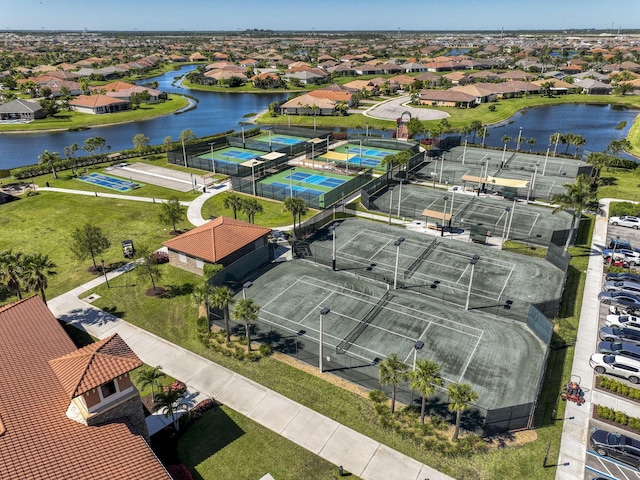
{"x":232,"y":15}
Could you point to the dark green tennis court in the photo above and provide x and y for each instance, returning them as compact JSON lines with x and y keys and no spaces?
{"x":305,"y":182}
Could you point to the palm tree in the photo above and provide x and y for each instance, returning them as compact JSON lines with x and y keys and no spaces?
{"x":461,"y":395}
{"x":233,"y":202}
{"x":203,"y":293}
{"x":297,"y":207}
{"x":391,"y":371}
{"x":532,"y":141}
{"x":49,"y":158}
{"x":506,"y":139}
{"x":11,"y":271}
{"x":168,"y":401}
{"x":37,"y":268}
{"x":246,"y":310}
{"x":555,"y":138}
{"x":424,"y":380}
{"x":578,"y":198}
{"x":250,"y":207}
{"x":222,"y":297}
{"x":578,"y":141}
{"x":150,"y":377}
{"x":476,"y":126}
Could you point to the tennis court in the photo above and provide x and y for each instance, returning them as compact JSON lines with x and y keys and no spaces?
{"x":280,"y":139}
{"x":232,"y":155}
{"x":110,"y":182}
{"x":367,"y":322}
{"x":303,"y":182}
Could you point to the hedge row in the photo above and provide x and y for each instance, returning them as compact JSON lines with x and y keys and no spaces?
{"x":615,"y":386}
{"x":619,"y":209}
{"x":610,"y":414}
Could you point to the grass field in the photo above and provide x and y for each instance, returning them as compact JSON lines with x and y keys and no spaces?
{"x":44,"y":224}
{"x":274,"y":214}
{"x":73,"y":120}
{"x":618,"y":183}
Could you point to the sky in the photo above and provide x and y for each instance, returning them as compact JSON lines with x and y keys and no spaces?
{"x":309,"y":15}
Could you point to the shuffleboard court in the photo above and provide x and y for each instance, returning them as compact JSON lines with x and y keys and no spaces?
{"x":107,"y":181}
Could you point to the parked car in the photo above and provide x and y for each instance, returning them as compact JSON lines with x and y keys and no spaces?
{"x":626,"y":221}
{"x":620,"y":348}
{"x":620,"y":334}
{"x":620,"y":299}
{"x":622,"y":286}
{"x":616,"y":445}
{"x":631,"y":321}
{"x":617,"y":243}
{"x":618,"y":365}
{"x":632,"y":257}
{"x":620,"y":276}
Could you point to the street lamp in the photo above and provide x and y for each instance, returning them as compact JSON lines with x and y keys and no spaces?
{"x":361,"y":156}
{"x":504,"y":228}
{"x":397,"y":243}
{"x":390,"y":202}
{"x":519,"y":137}
{"x":269,"y":139}
{"x":253,"y":176}
{"x":104,"y":272}
{"x":400,"y":197}
{"x":184,"y":152}
{"x":333,"y":249}
{"x":473,"y":262}
{"x":444,"y":214}
{"x":544,"y":168}
{"x":418,"y":346}
{"x":213,"y":160}
{"x":244,"y":288}
{"x":513,"y":209}
{"x":291,"y":181}
{"x":323,"y":312}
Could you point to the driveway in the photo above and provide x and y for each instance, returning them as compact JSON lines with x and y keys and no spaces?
{"x":393,"y":109}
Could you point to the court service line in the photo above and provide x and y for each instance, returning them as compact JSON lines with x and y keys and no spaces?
{"x":281,"y":293}
{"x":464,"y":370}
{"x":379,"y":250}
{"x":506,"y":282}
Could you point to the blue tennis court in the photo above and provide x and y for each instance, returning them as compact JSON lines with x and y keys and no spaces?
{"x":370,"y":152}
{"x":296,"y":188}
{"x":239,"y":154}
{"x":107,"y":181}
{"x":367,"y":162}
{"x":315,"y":179}
{"x":285,"y":140}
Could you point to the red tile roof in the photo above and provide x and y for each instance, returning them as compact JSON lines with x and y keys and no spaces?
{"x":39,"y":440}
{"x":217,"y":239}
{"x":93,"y":365}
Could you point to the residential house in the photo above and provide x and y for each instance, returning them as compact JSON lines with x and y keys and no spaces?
{"x":447,"y":98}
{"x":197,"y":57}
{"x":98,"y":104}
{"x":221,"y":241}
{"x":308,"y":104}
{"x":19,"y":109}
{"x":68,"y":412}
{"x":591,"y":86}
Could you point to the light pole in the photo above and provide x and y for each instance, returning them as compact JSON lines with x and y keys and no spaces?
{"x":269,"y":139}
{"x":504,"y":228}
{"x":544,"y":168}
{"x":104,"y":272}
{"x":473,"y":262}
{"x":399,"y":196}
{"x":291,"y":182}
{"x":390,"y":202}
{"x":519,"y":138}
{"x":513,"y":209}
{"x":253,"y":176}
{"x":213,"y":160}
{"x":444,"y":214}
{"x":244,"y":289}
{"x":418,"y":346}
{"x":333,"y":249}
{"x":533,"y":185}
{"x":464,"y":152}
{"x":361,"y":156}
{"x":323,"y":312}
{"x":184,"y":152}
{"x":397,"y":243}
{"x":484,"y":134}
{"x":243,"y":144}
{"x":504,"y":152}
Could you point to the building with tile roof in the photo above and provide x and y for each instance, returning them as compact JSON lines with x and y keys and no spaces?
{"x":67,"y":413}
{"x":222,"y":241}
{"x":98,"y":104}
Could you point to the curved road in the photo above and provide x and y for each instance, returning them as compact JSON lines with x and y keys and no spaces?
{"x":393,"y":109}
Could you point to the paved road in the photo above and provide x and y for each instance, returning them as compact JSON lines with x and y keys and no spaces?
{"x":393,"y":109}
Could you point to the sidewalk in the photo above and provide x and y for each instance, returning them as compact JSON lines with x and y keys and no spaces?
{"x":358,"y":454}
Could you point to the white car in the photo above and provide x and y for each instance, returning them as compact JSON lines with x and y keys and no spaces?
{"x":630,"y":321}
{"x":616,"y":365}
{"x":626,"y":221}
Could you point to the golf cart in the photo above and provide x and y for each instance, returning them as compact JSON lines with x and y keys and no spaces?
{"x":127,"y":248}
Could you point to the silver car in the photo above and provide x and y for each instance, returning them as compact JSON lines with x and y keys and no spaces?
{"x":622,"y":286}
{"x":618,"y":365}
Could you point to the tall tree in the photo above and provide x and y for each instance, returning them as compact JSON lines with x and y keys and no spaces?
{"x":171,"y":212}
{"x":616,"y":147}
{"x":223,"y":297}
{"x":11,"y":271}
{"x":297,"y":207}
{"x":146,"y":264}
{"x":247,"y":311}
{"x":169,"y":402}
{"x":578,"y":197}
{"x":202,"y":294}
{"x":233,"y":202}
{"x":187,"y":135}
{"x":476,"y":128}
{"x":50,"y":158}
{"x":424,"y":380}
{"x":251,"y":207}
{"x":89,"y":241}
{"x":140,"y":142}
{"x":37,"y":268}
{"x":392,"y":371}
{"x":150,"y":377}
{"x":461,"y":396}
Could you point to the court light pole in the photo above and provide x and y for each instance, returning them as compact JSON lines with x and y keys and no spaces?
{"x":244,"y":289}
{"x":213,"y":160}
{"x":444,"y":214}
{"x":104,"y":272}
{"x":418,"y":346}
{"x":184,"y":152}
{"x":533,"y":185}
{"x":513,"y":209}
{"x":519,"y":138}
{"x":390,"y":202}
{"x":464,"y":152}
{"x":399,"y":196}
{"x":333,"y":248}
{"x":291,"y":182}
{"x":269,"y":139}
{"x":473,"y":262}
{"x":361,"y":155}
{"x":504,"y":228}
{"x":397,"y":244}
{"x":253,"y":176}
{"x":323,"y":312}
{"x":544,"y":168}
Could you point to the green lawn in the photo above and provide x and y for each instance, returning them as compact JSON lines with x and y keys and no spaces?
{"x":224,"y":445}
{"x":75,"y":120}
{"x":43,"y":223}
{"x":618,"y":183}
{"x":274,"y":214}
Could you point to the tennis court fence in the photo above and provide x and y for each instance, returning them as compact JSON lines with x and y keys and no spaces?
{"x":408,"y":273}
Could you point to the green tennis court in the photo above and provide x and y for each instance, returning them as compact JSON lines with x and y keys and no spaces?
{"x":280,"y":139}
{"x":232,"y":155}
{"x":303,"y":182}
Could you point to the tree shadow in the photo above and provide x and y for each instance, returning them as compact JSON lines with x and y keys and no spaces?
{"x":608,"y":181}
{"x":172,"y":291}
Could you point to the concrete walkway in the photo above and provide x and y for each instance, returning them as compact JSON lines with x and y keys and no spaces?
{"x":107,"y":195}
{"x":326,"y":438}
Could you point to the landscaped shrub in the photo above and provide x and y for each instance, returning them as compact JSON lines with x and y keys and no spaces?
{"x":162,"y":257}
{"x":618,"y":209}
{"x":621,"y":418}
{"x":177,"y":386}
{"x":377,"y":396}
{"x":618,"y":387}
